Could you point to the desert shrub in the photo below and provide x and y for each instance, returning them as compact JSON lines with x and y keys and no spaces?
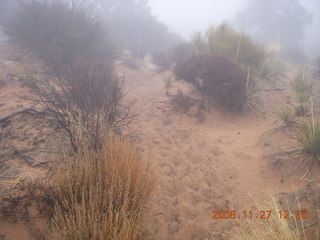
{"x":272,"y":68}
{"x":227,"y":41}
{"x":86,"y":99}
{"x":58,"y":31}
{"x":308,"y":137}
{"x":285,"y":113}
{"x":101,"y":194}
{"x":217,"y":78}
{"x":304,"y":89}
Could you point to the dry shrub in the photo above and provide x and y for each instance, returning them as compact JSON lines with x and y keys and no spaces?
{"x":86,"y":99}
{"x":58,"y":31}
{"x":217,"y":78}
{"x":227,"y":41}
{"x":102,"y":194}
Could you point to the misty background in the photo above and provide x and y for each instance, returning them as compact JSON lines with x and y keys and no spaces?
{"x":186,"y":17}
{"x":143,"y":26}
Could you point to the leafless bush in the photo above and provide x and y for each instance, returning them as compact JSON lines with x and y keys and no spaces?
{"x":85,"y":98}
{"x":58,"y":31}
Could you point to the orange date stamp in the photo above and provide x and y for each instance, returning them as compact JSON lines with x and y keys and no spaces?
{"x":259,"y":214}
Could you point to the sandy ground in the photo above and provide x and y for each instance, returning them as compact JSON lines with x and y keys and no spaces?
{"x":203,"y":164}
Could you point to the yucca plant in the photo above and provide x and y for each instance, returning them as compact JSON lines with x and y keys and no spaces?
{"x":301,"y":83}
{"x":308,"y":137}
{"x":285,"y":113}
{"x":304,"y":89}
{"x":272,"y":68}
{"x":253,"y":96}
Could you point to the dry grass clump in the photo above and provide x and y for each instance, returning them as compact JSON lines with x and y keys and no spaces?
{"x":103,"y":194}
{"x":308,"y":137}
{"x":273,"y":228}
{"x":227,"y":41}
{"x":58,"y":31}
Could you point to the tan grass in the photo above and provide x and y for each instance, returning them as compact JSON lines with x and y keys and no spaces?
{"x":102,"y":195}
{"x":273,"y":228}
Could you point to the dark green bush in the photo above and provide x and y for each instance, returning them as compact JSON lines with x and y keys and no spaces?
{"x":217,"y":78}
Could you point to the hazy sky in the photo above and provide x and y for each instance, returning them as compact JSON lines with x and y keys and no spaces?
{"x":187,"y":16}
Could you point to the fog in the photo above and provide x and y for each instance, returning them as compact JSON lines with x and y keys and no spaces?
{"x":186,"y":17}
{"x":140,"y":26}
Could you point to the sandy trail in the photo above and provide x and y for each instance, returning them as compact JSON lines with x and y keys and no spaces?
{"x":203,"y":167}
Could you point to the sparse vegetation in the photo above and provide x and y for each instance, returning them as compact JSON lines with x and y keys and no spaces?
{"x":238,"y":46}
{"x":106,"y":195}
{"x":285,"y":113}
{"x":308,"y":137}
